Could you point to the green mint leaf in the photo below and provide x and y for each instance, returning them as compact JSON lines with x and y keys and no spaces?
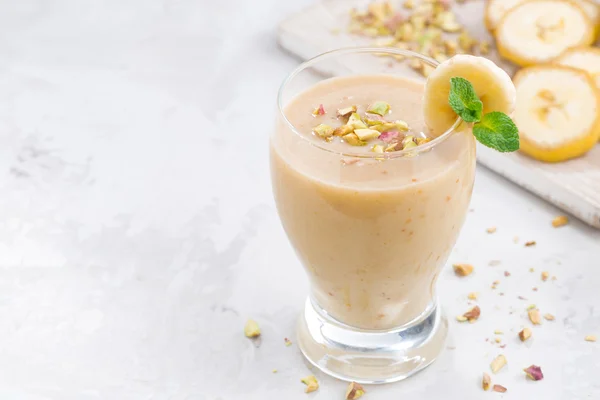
{"x":464,"y":100}
{"x":498,"y":131}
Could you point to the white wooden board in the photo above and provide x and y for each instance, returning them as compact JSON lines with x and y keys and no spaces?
{"x":573,"y":186}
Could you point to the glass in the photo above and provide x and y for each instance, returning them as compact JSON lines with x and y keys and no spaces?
{"x":372,"y":230}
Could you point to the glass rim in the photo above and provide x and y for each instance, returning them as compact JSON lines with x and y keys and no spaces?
{"x":350,"y":50}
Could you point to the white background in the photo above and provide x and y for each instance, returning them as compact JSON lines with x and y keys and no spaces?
{"x":138,"y":231}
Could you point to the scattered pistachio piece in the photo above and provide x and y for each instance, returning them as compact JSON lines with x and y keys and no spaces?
{"x":531,"y":307}
{"x":498,"y":332}
{"x":409,"y":145}
{"x":531,"y":269}
{"x":473,"y":314}
{"x":497,"y":340}
{"x":486,"y":381}
{"x":393,"y":146}
{"x":311,"y":383}
{"x":353,"y":140}
{"x":499,"y":389}
{"x":462,"y":269}
{"x":491,"y":230}
{"x":590,"y":338}
{"x":525,"y":334}
{"x":461,"y":318}
{"x":534,"y":373}
{"x":356,"y":122}
{"x":484,"y":47}
{"x":367,"y":134}
{"x":342,"y":130}
{"x":473,"y":296}
{"x":549,"y":317}
{"x":530,"y":243}
{"x":287,"y":342}
{"x":354,"y":391}
{"x":324,"y":131}
{"x":274,"y":371}
{"x":319,"y":111}
{"x":379,"y":108}
{"x":421,"y":140}
{"x":545,"y":276}
{"x":251,"y":329}
{"x":559,"y":221}
{"x":534,"y":316}
{"x":506,"y":273}
{"x":344,"y":112}
{"x":498,"y":363}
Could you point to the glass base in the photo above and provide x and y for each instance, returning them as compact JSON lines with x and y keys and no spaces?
{"x":370,"y":357}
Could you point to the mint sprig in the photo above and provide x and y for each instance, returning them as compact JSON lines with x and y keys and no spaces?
{"x":495,"y":129}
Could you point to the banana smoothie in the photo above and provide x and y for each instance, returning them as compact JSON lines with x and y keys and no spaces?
{"x":370,"y":200}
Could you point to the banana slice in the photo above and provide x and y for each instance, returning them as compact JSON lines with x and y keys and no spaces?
{"x":496,"y":9}
{"x":558,"y":112}
{"x":538,"y":31}
{"x":491,"y":83}
{"x":592,"y":10}
{"x":585,"y":58}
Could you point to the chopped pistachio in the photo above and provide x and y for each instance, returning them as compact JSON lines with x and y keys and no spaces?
{"x":531,"y":307}
{"x":356,"y":122}
{"x":354,"y":391}
{"x":525,"y":334}
{"x":393,"y":146}
{"x":497,"y":340}
{"x":342,"y":130}
{"x":530,"y":243}
{"x":344,"y":112}
{"x":486,"y":381}
{"x":491,"y":230}
{"x":391,"y":126}
{"x":465,"y":41}
{"x":484,"y":47}
{"x":251,"y":329}
{"x":534,"y":316}
{"x":421,"y":141}
{"x":590,"y":338}
{"x":311,"y":383}
{"x":473,"y":296}
{"x":319,"y":111}
{"x":409,"y":145}
{"x":324,"y":131}
{"x":447,"y":22}
{"x":499,"y":389}
{"x":367,"y":134}
{"x":498,"y":332}
{"x":473,"y":314}
{"x":559,"y":221}
{"x":534,"y":373}
{"x":389,"y":136}
{"x":462,"y":269}
{"x":287,"y":342}
{"x":379,"y":108}
{"x":451,"y":47}
{"x":545,"y":276}
{"x":461,"y":318}
{"x":353,"y":140}
{"x":549,"y":317}
{"x":372,"y":120}
{"x":377,"y":148}
{"x":498,"y":363}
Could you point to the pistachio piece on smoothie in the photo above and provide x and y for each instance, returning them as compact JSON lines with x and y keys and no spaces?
{"x":379,"y":108}
{"x":344,"y":112}
{"x":342,"y":130}
{"x":393,"y":146}
{"x":353,"y":140}
{"x":319,"y":111}
{"x":377,"y":148}
{"x":356,"y":122}
{"x":389,"y":136}
{"x":373,"y":120}
{"x":367,"y":134}
{"x":324,"y":131}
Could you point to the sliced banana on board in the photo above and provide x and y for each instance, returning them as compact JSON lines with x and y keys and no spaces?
{"x":585,"y":58}
{"x":557,"y":112}
{"x":537,"y":31}
{"x":496,"y":9}
{"x":491,"y":83}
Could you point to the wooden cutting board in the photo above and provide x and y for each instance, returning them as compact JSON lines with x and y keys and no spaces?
{"x":573,"y":186}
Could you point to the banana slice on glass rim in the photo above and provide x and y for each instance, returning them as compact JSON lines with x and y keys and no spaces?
{"x":584,"y":58}
{"x":538,"y":31}
{"x":558,"y":112}
{"x":491,"y":83}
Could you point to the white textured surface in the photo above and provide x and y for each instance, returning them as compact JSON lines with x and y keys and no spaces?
{"x":138,"y":232}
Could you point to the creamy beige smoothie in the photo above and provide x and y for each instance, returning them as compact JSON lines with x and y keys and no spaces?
{"x":372,"y":230}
